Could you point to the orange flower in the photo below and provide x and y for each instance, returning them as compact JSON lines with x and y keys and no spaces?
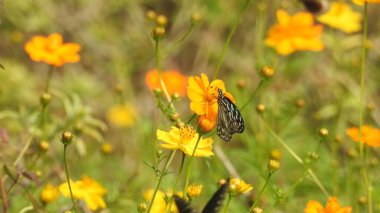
{"x":52,"y":50}
{"x":293,"y":33}
{"x":204,"y":99}
{"x":370,"y":135}
{"x":361,"y":2}
{"x":331,"y":207}
{"x":175,"y":81}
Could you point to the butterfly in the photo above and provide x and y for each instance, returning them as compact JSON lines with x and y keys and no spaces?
{"x":229,"y":119}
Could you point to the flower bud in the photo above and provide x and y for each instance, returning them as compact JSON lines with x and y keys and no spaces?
{"x":44,"y":146}
{"x":66,"y":138}
{"x":267,"y":72}
{"x":242,"y":83}
{"x":107,"y":148}
{"x":196,"y":18}
{"x":323,"y":132}
{"x":275,"y":154}
{"x":362,"y":200}
{"x":273,"y":166}
{"x":119,"y":88}
{"x":45,"y":99}
{"x":151,"y":15}
{"x":158,"y":32}
{"x":300,"y":103}
{"x":260,"y":108}
{"x":142,"y":208}
{"x":257,"y":210}
{"x":161,"y":20}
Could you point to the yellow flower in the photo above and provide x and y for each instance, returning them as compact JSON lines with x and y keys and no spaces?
{"x":185,"y":139}
{"x":370,"y":135}
{"x":294,"y":33}
{"x":52,"y":50}
{"x":159,"y":204}
{"x":361,"y":2}
{"x":49,"y":193}
{"x":121,"y":115}
{"x":175,"y":82}
{"x":107,"y":148}
{"x":86,"y":189}
{"x":203,"y":97}
{"x":193,"y":191}
{"x":331,"y":207}
{"x":238,"y":186}
{"x":341,"y":16}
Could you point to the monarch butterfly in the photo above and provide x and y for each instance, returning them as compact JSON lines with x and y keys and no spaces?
{"x":229,"y":119}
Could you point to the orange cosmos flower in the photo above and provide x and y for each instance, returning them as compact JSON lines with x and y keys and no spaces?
{"x":175,"y":81}
{"x":361,"y":2}
{"x":293,"y":33}
{"x":370,"y":135}
{"x":203,"y":97}
{"x":52,"y":50}
{"x":331,"y":207}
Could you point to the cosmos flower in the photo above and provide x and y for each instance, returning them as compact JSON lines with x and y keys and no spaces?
{"x":51,"y":50}
{"x":185,"y":139}
{"x":86,"y":189}
{"x":342,"y":17}
{"x":332,"y":206}
{"x":203,"y":97}
{"x":295,"y":33}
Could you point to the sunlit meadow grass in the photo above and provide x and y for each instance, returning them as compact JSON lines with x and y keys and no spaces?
{"x":112,"y":106}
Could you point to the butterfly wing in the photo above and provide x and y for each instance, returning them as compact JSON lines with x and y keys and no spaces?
{"x":229,"y":120}
{"x":222,"y":127}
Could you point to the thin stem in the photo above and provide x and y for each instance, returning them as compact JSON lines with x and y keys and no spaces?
{"x":189,"y":166}
{"x":295,"y":156}
{"x":225,"y":210}
{"x":24,"y":149}
{"x":48,"y":79}
{"x":261,"y":191}
{"x":253,"y":95}
{"x":361,"y":109}
{"x":158,"y":183}
{"x":176,"y":181}
{"x":158,"y":64}
{"x":232,"y":31}
{"x":68,"y":178}
{"x":226,"y":162}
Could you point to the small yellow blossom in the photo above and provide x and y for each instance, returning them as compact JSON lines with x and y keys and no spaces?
{"x":86,"y":189}
{"x":107,"y":148}
{"x":370,"y":135}
{"x":159,"y":203}
{"x":361,"y":2}
{"x":122,"y":115}
{"x":295,"y":33}
{"x":332,"y":206}
{"x":185,"y":139}
{"x":52,"y":50}
{"x":193,"y":190}
{"x":238,"y":186}
{"x":49,"y":193}
{"x":342,"y":17}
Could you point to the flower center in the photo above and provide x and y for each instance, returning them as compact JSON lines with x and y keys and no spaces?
{"x":186,"y":132}
{"x":212,"y":93}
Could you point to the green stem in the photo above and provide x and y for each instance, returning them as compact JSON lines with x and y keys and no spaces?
{"x":361,"y":109}
{"x":232,"y":31}
{"x":295,"y":156}
{"x":189,"y":165}
{"x":261,"y":191}
{"x":48,"y":79}
{"x":225,"y":210}
{"x":176,"y":182}
{"x":158,"y":183}
{"x":253,"y":94}
{"x":68,"y":178}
